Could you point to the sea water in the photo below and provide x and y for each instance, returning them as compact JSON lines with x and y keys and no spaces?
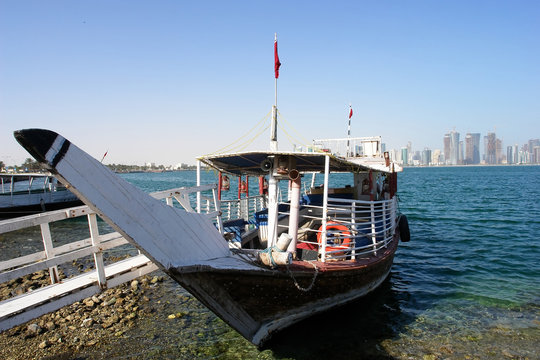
{"x":467,"y":285}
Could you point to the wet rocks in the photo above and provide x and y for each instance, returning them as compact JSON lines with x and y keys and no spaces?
{"x":33,"y":329}
{"x":94,"y":320}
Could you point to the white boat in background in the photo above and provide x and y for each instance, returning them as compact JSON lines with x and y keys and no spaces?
{"x":29,"y":193}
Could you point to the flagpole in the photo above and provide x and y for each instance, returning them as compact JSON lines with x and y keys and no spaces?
{"x":273,"y":131}
{"x":349,"y":132}
{"x":275,"y":77}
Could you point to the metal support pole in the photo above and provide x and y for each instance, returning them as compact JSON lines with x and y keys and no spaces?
{"x":272,"y":209}
{"x":294,"y":212}
{"x":322,"y":248}
{"x":198,"y":184}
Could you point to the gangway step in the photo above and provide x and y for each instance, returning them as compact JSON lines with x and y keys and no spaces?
{"x":22,"y":308}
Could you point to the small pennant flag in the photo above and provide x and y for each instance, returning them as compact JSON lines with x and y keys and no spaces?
{"x":350,"y":112}
{"x":103,"y":158}
{"x":277,"y":64}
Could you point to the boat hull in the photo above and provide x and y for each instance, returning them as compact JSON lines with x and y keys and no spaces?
{"x":13,"y":211}
{"x":258,"y":303}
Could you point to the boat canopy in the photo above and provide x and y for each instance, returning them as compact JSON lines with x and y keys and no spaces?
{"x":250,"y":163}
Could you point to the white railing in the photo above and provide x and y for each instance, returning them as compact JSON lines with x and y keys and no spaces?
{"x":31,"y":183}
{"x":352,"y":228}
{"x":242,"y":208}
{"x":63,"y":291}
{"x":351,"y":147}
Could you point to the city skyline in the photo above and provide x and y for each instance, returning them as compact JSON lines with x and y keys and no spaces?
{"x":467,"y":151}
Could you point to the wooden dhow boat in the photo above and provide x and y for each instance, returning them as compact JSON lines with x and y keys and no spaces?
{"x":259,"y":263}
{"x":270,"y":265}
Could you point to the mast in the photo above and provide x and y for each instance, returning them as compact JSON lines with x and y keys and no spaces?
{"x":273,"y":129}
{"x":272,"y":181}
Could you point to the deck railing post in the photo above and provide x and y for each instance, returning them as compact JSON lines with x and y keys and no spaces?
{"x":385,"y":232}
{"x":353,"y":229}
{"x":322,"y":249}
{"x":49,"y":251}
{"x":98,"y":255}
{"x":394,"y":208}
{"x":198,"y":209}
{"x":217,"y":207}
{"x":245,"y":208}
{"x":373,"y":228}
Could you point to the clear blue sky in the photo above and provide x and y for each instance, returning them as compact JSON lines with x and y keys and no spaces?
{"x":165,"y":81}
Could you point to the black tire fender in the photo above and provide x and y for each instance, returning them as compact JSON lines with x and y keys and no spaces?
{"x":403,"y":225}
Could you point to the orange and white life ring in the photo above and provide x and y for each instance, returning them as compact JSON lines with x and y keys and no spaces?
{"x":344,"y":237}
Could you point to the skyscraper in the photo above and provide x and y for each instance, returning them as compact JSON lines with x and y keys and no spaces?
{"x":509,"y":154}
{"x":472,"y":148}
{"x":446,"y":142}
{"x":426,"y":157}
{"x":454,"y":147}
{"x":532,"y":145}
{"x":499,"y":151}
{"x":490,"y":148}
{"x":404,"y":156}
{"x":436,"y":157}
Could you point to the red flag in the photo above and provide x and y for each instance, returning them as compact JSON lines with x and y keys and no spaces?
{"x":103,"y":158}
{"x":350,"y":113}
{"x":277,"y":64}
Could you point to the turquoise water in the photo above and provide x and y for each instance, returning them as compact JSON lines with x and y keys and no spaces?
{"x":466,"y":286}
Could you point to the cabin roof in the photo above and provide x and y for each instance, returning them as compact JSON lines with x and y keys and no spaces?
{"x":250,"y":162}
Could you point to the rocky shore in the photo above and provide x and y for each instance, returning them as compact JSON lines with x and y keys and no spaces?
{"x":152,"y":317}
{"x":82,"y":325}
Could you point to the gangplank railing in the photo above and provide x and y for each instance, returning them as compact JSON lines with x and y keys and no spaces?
{"x":102,"y":274}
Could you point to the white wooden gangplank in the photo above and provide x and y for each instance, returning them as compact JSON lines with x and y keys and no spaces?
{"x":59,"y":293}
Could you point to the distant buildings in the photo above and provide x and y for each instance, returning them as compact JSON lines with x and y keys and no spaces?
{"x":467,"y":152}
